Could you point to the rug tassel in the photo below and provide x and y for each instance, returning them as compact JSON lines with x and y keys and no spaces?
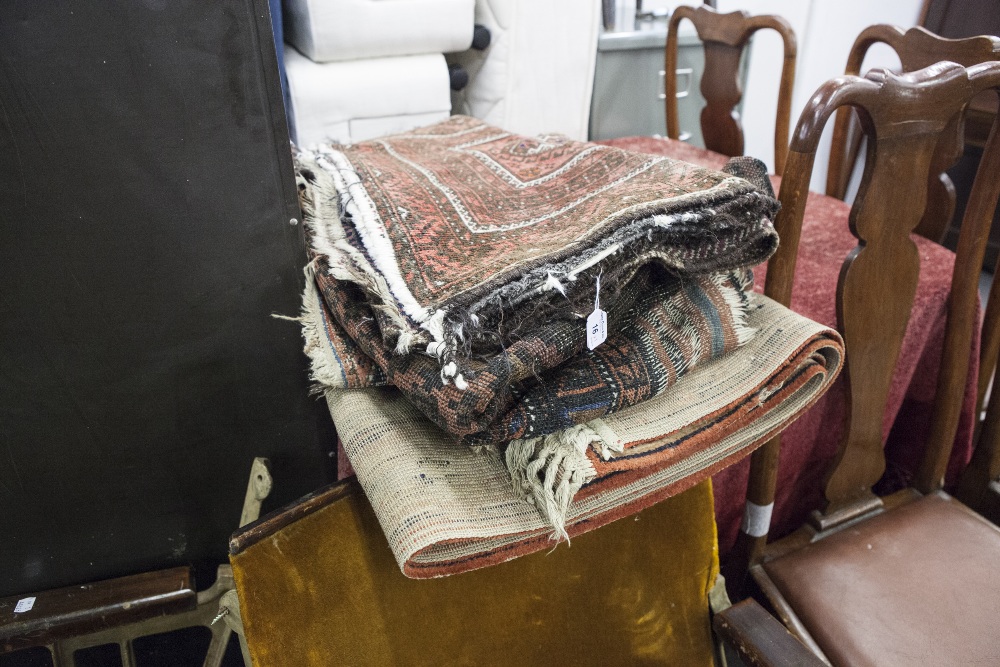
{"x":735,"y":299}
{"x":324,"y":371}
{"x":548,"y":471}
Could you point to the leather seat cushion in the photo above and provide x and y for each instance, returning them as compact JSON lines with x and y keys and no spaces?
{"x":916,"y":585}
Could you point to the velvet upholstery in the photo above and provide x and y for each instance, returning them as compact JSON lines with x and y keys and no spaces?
{"x":324,"y":589}
{"x":810,"y":444}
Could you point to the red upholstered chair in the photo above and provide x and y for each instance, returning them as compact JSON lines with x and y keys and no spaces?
{"x":917,"y":48}
{"x":908,"y":578}
{"x":725,"y":37}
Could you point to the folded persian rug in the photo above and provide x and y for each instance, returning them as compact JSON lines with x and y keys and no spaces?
{"x":446,"y":510}
{"x":462,"y":239}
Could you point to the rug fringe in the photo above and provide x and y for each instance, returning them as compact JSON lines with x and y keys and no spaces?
{"x":323,"y":370}
{"x":739,"y":304}
{"x":548,"y":471}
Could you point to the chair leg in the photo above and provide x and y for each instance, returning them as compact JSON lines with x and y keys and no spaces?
{"x":217,"y":647}
{"x":127,"y":653}
{"x":718,"y":601}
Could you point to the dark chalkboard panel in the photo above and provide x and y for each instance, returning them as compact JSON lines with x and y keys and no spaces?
{"x":146,"y":194}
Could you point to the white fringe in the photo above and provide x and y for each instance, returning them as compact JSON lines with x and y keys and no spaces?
{"x":436,"y":349}
{"x":596,"y":259}
{"x":551,"y":282}
{"x":323,"y":367}
{"x":356,"y":201}
{"x":434,"y":325}
{"x":404,"y":342}
{"x":548,"y":471}
{"x":320,"y":208}
{"x":743,"y":331}
{"x":346,"y":262}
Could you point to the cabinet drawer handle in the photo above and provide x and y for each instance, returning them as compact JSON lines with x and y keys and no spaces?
{"x":688,"y":74}
{"x":682,"y":91}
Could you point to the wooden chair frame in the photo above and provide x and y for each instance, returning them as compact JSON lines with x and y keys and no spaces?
{"x":917,"y":48}
{"x":903,"y":118}
{"x":879,"y":277}
{"x":725,"y":36}
{"x":979,"y":487}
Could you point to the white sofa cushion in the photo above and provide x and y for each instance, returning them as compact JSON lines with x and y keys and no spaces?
{"x":362,"y":99}
{"x":537,"y":75}
{"x":330,"y":30}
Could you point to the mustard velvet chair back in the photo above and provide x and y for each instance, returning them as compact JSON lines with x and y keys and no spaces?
{"x":318,"y":585}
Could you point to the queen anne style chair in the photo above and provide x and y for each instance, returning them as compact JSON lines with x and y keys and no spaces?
{"x":910,"y":578}
{"x":917,"y":48}
{"x":725,"y":37}
{"x":813,"y":444}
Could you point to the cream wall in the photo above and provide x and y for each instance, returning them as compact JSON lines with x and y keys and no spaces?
{"x":825,"y":30}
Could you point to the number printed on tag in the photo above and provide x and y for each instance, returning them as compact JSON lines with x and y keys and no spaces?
{"x":597,"y":328}
{"x":23,"y":605}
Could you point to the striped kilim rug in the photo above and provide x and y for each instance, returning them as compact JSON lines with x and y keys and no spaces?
{"x":548,"y":380}
{"x":447,"y":509}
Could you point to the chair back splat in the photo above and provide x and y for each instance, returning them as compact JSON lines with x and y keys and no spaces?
{"x":917,"y":48}
{"x":903,"y":118}
{"x":725,"y":37}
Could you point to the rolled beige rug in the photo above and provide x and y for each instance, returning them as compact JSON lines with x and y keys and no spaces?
{"x":448,"y":509}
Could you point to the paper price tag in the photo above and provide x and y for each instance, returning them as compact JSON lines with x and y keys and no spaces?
{"x":597,"y":328}
{"x":23,"y":605}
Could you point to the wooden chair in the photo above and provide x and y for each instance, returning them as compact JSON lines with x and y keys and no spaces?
{"x":318,"y":586}
{"x":979,"y":486}
{"x":910,"y":578}
{"x":725,"y":37}
{"x":917,"y":48}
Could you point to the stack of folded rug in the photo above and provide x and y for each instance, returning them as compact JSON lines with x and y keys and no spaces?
{"x":539,"y":308}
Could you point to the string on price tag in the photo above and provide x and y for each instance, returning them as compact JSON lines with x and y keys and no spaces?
{"x":597,"y":322}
